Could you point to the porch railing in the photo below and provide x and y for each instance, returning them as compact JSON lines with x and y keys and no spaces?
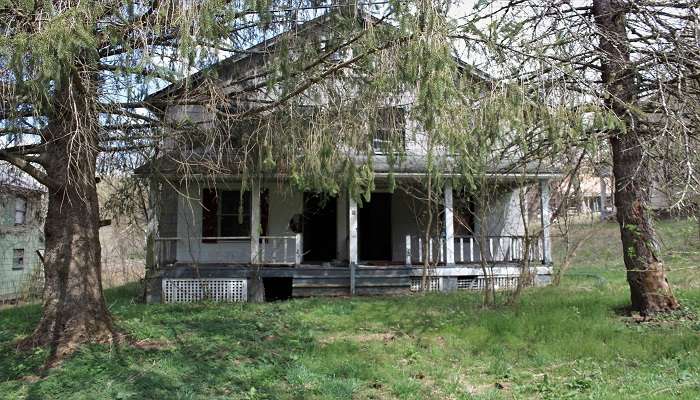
{"x":283,"y":250}
{"x":272,"y":250}
{"x":467,"y":249}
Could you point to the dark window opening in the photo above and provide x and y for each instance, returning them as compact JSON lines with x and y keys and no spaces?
{"x":225,"y":213}
{"x":18,"y":259}
{"x":234,"y":215}
{"x":278,"y":288}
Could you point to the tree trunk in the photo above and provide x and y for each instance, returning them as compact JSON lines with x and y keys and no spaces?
{"x":74,"y":309}
{"x":649,"y":288}
{"x":256,"y":288}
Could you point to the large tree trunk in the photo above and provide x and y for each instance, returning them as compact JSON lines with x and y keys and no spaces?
{"x":649,"y":288}
{"x":74,"y":309}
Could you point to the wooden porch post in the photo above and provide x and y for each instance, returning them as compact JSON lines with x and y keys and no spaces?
{"x":352,"y":230}
{"x":545,"y":217}
{"x":153,"y":247}
{"x":449,"y":225}
{"x":152,"y":253}
{"x":255,"y":223}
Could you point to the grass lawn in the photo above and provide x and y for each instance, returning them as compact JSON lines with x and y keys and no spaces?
{"x":565,"y":342}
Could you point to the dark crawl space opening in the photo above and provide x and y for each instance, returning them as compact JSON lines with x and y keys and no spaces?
{"x":279,"y":288}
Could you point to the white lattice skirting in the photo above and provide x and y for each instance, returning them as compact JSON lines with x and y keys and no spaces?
{"x":192,"y":290}
{"x":433,"y":285}
{"x":478,"y":283}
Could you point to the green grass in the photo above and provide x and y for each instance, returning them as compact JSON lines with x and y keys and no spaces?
{"x":565,"y":342}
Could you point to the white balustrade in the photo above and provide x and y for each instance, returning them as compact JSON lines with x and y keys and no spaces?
{"x":272,"y":250}
{"x":468,"y":249}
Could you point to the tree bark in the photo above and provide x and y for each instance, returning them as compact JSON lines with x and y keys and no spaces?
{"x":74,"y":309}
{"x":649,"y":289}
{"x":256,"y":288}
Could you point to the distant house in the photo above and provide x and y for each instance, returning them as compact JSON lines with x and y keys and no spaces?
{"x":21,"y":238}
{"x":592,"y":196}
{"x":209,"y":234}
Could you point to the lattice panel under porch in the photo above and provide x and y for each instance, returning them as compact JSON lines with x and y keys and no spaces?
{"x":433,"y":286}
{"x":478,"y":283}
{"x":193,"y":290}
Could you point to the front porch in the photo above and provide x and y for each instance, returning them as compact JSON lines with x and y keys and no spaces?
{"x":334,"y":246}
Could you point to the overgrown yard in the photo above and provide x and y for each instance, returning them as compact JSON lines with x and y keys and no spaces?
{"x":567,"y":342}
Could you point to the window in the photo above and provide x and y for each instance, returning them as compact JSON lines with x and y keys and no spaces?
{"x":18,"y":259}
{"x":20,"y":210}
{"x":234,"y":218}
{"x":223,"y":215}
{"x":389,"y":130}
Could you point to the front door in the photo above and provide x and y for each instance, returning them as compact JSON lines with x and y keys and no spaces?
{"x":374,"y":230}
{"x":319,"y":227}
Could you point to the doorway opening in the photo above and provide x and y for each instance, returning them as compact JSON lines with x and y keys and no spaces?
{"x":319,"y":227}
{"x":374,"y":229}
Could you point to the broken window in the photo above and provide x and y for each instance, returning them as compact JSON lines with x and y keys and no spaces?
{"x":18,"y":259}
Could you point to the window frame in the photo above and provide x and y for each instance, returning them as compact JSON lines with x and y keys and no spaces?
{"x":221,"y":213}
{"x":385,"y":139}
{"x":23,"y":210}
{"x":18,"y":259}
{"x":245,"y":219}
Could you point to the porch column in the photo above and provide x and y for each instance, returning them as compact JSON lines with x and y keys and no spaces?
{"x":341,"y":247}
{"x":545,"y":217}
{"x":255,"y":222}
{"x":449,"y":225}
{"x":352,"y":230}
{"x":152,"y":246}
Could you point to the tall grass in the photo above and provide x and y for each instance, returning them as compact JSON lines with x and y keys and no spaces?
{"x":563,"y":342}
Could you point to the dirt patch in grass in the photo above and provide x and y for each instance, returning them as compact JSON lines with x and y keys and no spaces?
{"x":150,"y":344}
{"x":30,"y":378}
{"x":362,"y":337}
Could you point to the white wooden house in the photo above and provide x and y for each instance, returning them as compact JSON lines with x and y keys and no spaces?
{"x":21,"y":240}
{"x":314,"y":244}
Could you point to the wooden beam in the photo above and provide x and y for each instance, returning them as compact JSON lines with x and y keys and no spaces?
{"x":255,"y":223}
{"x":352,"y":230}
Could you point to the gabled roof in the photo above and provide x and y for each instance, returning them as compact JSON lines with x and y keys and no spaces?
{"x":230,"y":62}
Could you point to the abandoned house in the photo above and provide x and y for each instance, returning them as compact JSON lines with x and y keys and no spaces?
{"x":209,"y":235}
{"x":21,"y":239}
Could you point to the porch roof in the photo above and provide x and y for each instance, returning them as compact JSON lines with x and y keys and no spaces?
{"x":383,"y":165}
